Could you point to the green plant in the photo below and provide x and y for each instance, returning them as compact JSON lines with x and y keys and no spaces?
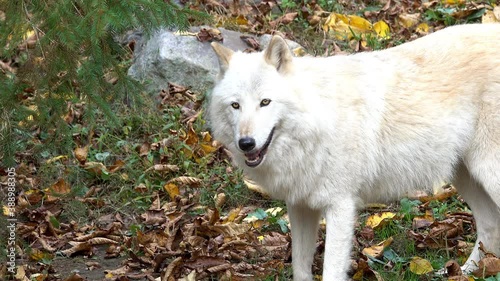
{"x":288,"y":4}
{"x":67,"y":52}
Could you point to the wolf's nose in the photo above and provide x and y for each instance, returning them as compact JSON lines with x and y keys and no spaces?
{"x":246,"y":143}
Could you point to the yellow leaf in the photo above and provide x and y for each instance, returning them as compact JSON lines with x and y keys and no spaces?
{"x":172,"y":189}
{"x":343,"y":26}
{"x":260,"y":238}
{"x":54,"y":159}
{"x":7,"y":211}
{"x":206,"y":137}
{"x":376,"y":251}
{"x":241,"y":20}
{"x":28,"y":34}
{"x":422,"y":28}
{"x":382,"y":29}
{"x":232,"y":215}
{"x":453,"y":2}
{"x":37,"y":255}
{"x":409,"y":20}
{"x":377,"y":221}
{"x":420,"y":266}
{"x":207,"y":148}
{"x":360,"y":23}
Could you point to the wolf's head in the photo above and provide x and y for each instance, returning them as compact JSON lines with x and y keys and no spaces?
{"x":247,"y":106}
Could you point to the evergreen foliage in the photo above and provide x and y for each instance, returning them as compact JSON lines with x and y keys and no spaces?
{"x":65,"y":52}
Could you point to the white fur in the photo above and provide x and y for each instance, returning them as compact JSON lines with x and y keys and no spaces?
{"x":367,"y":127}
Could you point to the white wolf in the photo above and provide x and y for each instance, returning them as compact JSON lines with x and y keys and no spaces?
{"x":328,"y":134}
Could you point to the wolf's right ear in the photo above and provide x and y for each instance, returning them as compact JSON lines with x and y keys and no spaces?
{"x":223,"y":54}
{"x":278,"y":54}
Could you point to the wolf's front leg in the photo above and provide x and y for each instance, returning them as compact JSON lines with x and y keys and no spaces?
{"x":304,"y":222}
{"x":339,"y":233}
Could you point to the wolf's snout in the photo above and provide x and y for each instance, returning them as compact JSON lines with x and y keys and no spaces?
{"x":246,"y":143}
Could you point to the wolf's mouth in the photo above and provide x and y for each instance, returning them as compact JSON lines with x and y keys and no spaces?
{"x":256,"y":157}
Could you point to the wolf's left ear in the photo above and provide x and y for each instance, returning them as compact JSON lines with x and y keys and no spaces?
{"x":278,"y":54}
{"x":223,"y":54}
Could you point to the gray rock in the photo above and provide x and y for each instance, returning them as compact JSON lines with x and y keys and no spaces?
{"x":169,"y":57}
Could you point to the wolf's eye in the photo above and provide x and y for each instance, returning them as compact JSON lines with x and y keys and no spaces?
{"x":235,"y":105}
{"x":265,"y":102}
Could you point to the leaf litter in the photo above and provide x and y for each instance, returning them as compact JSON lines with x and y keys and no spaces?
{"x":180,"y":239}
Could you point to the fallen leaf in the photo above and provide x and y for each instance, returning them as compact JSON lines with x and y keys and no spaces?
{"x":453,"y":2}
{"x":422,"y":28}
{"x":420,"y":266}
{"x":116,"y":166}
{"x":423,"y":221}
{"x":220,"y":199}
{"x":191,"y":181}
{"x":379,"y":220}
{"x":488,"y":266}
{"x":60,"y":187}
{"x":96,"y":168}
{"x":172,"y":189}
{"x":285,"y":19}
{"x":382,"y":29}
{"x":81,"y":153}
{"x":453,"y":268}
{"x":251,"y":185}
{"x":408,"y":20}
{"x":163,"y":168}
{"x":377,"y":250}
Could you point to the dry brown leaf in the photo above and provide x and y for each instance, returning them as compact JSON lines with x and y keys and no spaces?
{"x":209,"y":35}
{"x":220,"y":199}
{"x":285,"y":19}
{"x":163,"y":168}
{"x":117,"y":272}
{"x":423,"y":221}
{"x":453,"y":268}
{"x":255,"y":187}
{"x":96,"y":168}
{"x":485,"y":251}
{"x":101,"y":241}
{"x":191,"y":181}
{"x":144,"y":149}
{"x":81,"y":153}
{"x":116,"y":166}
{"x":77,"y":247}
{"x":489,"y":266}
{"x":170,"y":269}
{"x":60,"y":187}
{"x":141,"y":188}
{"x":74,"y":277}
